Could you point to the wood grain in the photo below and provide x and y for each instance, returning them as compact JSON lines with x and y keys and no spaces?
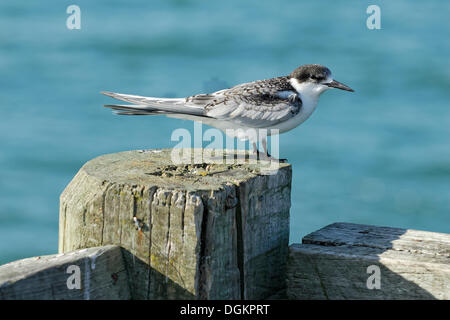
{"x":102,"y":276}
{"x":332,"y":263}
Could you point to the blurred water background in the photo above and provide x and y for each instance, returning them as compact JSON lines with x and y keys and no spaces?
{"x":378,"y":156}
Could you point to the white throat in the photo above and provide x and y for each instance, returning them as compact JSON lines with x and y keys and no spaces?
{"x":309,"y":92}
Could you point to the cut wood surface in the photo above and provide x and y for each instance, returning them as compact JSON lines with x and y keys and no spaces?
{"x":100,"y":273}
{"x":333,"y":262}
{"x":203,"y":231}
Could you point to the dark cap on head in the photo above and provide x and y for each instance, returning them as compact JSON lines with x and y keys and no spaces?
{"x":315,"y":72}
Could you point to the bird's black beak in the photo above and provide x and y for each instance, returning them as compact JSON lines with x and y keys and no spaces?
{"x":338,"y":85}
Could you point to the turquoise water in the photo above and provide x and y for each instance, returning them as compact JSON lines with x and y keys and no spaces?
{"x":378,"y":156}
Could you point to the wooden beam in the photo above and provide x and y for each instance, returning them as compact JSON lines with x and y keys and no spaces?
{"x":99,"y":272}
{"x":342,"y":260}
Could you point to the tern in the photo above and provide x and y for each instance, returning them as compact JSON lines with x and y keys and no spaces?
{"x":279,"y":104}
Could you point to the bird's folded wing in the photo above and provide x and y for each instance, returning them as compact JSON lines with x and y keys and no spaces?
{"x":258,"y":104}
{"x":246,"y":113}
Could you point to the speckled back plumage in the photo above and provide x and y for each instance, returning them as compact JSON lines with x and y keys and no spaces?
{"x":255,"y":104}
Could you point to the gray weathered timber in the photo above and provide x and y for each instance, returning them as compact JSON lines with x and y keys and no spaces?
{"x":206,"y":230}
{"x":102,"y":275}
{"x":264,"y":214}
{"x":332,"y":263}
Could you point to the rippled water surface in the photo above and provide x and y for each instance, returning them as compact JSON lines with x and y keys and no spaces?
{"x":378,"y":156}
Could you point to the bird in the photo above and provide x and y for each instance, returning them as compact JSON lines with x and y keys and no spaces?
{"x":281,"y":104}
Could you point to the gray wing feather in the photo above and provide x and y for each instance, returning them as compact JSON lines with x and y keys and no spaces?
{"x":261,"y":103}
{"x":150,"y":104}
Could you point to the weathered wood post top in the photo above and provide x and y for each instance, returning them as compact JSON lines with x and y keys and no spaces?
{"x":204,"y":231}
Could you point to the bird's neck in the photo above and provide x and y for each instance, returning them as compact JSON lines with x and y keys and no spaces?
{"x":309,"y":92}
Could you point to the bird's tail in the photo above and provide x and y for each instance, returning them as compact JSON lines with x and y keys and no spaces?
{"x":153,"y":106}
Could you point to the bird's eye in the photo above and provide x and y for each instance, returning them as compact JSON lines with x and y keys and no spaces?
{"x":317,"y":77}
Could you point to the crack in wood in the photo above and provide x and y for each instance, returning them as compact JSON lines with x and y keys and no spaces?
{"x":240,"y":242}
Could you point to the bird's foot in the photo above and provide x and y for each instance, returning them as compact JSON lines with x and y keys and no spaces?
{"x":268,"y":157}
{"x":265,"y":155}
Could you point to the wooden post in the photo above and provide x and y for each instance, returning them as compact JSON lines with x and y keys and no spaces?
{"x":352,"y":261}
{"x":203,"y":231}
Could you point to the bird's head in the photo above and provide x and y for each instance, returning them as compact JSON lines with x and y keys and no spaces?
{"x":314,"y":79}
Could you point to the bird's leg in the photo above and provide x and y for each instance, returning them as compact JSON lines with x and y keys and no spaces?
{"x":264,"y":155}
{"x":259,"y":155}
{"x":255,"y":148}
{"x":264,"y":143}
{"x":268,"y":156}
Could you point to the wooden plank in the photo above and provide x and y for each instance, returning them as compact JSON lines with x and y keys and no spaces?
{"x":101,"y":272}
{"x":333,"y":262}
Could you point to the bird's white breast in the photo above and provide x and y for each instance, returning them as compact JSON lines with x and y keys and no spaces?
{"x":309,"y":94}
